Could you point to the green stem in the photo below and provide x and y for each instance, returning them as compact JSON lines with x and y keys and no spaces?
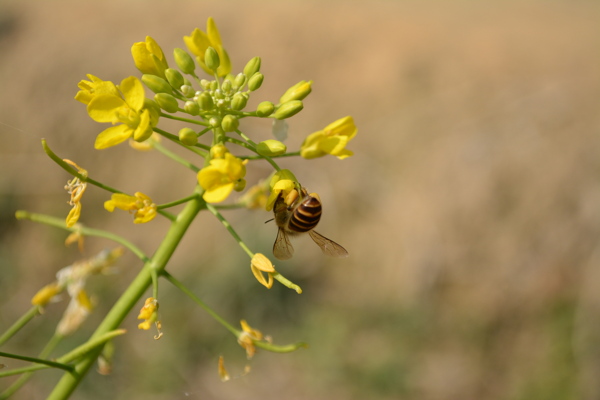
{"x":177,"y":202}
{"x":37,"y":361}
{"x":60,"y":223}
{"x":191,"y":121}
{"x":28,"y":371}
{"x":73,"y":171}
{"x":230,"y":229}
{"x":247,"y":139}
{"x":259,"y":157}
{"x":175,"y":157}
{"x":175,"y":139}
{"x":90,"y":345}
{"x":280,"y":349}
{"x":195,"y":298}
{"x":287,"y":283}
{"x":20,"y":323}
{"x":132,"y":295}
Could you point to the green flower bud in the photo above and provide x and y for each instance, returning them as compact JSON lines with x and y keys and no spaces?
{"x":214,"y":85}
{"x":271,"y":148}
{"x":205,"y":83}
{"x":252,"y":67}
{"x":239,"y":101}
{"x":205,"y":101}
{"x":188,"y":136}
{"x":289,"y":109}
{"x":239,"y":81}
{"x":239,"y":185}
{"x":188,"y":91}
{"x":265,"y":109}
{"x":211,"y":59}
{"x":214,"y":122}
{"x":255,"y":81}
{"x":297,"y":92}
{"x":167,"y":102}
{"x":184,"y":61}
{"x":230,"y":123}
{"x":174,"y":78}
{"x":157,"y":84}
{"x":226,"y":86}
{"x":191,"y":107}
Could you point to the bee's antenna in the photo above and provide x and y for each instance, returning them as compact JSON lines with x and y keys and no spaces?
{"x":269,"y":220}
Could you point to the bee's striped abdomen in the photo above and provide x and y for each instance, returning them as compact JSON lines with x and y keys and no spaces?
{"x":306,"y":216}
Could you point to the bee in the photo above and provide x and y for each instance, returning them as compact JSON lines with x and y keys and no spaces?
{"x":295,"y":215}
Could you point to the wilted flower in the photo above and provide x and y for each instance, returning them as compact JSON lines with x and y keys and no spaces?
{"x":141,"y":205}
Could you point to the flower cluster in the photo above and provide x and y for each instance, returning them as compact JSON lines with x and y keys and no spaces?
{"x":200,"y":89}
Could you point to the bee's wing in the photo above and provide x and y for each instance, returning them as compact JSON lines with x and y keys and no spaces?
{"x":282,"y":249}
{"x":328,"y":247}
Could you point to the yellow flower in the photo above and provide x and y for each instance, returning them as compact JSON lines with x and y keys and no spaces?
{"x":331,"y":140}
{"x":136,"y":114}
{"x":260,"y":264}
{"x":144,"y":210}
{"x":247,"y":337}
{"x":220,"y":177}
{"x":148,"y":313}
{"x":149,"y":57}
{"x":76,"y":187}
{"x":283,"y":182}
{"x":93,"y":87}
{"x":46,"y":294}
{"x":198,"y":42}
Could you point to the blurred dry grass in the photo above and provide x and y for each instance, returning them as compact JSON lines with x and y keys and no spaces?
{"x":471,"y":209}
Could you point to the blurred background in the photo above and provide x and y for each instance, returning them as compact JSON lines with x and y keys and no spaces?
{"x":471,"y":209}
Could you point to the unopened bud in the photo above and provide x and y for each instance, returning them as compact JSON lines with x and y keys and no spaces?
{"x":191,"y":107}
{"x":271,"y":148}
{"x":297,"y":92}
{"x":174,"y":77}
{"x":214,"y":122}
{"x":188,"y":137}
{"x":167,"y":102}
{"x":289,"y":109}
{"x":230,"y":123}
{"x":184,"y":61}
{"x":265,"y":109}
{"x":252,"y":67}
{"x":239,"y":185}
{"x":226,"y":86}
{"x":205,"y":101}
{"x":239,"y":101}
{"x":239,"y":81}
{"x":156,"y":84}
{"x":255,"y":81}
{"x":211,"y":59}
{"x":188,"y":91}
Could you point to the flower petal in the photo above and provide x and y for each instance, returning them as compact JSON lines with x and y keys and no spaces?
{"x":104,"y":107}
{"x":112,"y":136}
{"x":218,"y":194}
{"x":133,"y":91}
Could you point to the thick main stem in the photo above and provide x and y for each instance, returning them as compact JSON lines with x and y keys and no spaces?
{"x":132,"y":295}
